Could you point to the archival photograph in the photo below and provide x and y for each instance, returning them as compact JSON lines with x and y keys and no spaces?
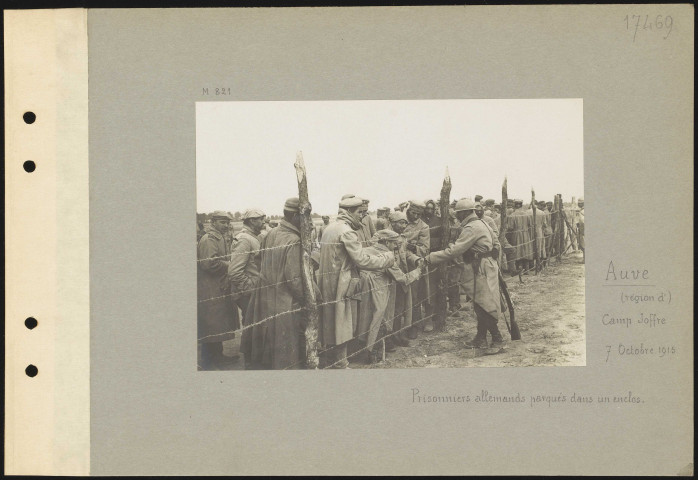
{"x":390,"y":234}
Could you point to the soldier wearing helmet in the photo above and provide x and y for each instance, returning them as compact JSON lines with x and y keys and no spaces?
{"x":479,"y":247}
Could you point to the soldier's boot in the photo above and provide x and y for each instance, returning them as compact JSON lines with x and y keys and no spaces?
{"x":374,"y":355}
{"x":480,"y":339}
{"x":498,"y":342}
{"x":401,"y":339}
{"x":390,"y":344}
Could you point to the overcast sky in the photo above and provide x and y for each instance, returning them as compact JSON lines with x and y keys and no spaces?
{"x":387,"y":151}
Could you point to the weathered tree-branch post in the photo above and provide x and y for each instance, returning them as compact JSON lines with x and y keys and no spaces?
{"x":441,"y":309}
{"x":536,"y":253}
{"x":309,"y":301}
{"x":503,"y":215}
{"x":560,"y":228}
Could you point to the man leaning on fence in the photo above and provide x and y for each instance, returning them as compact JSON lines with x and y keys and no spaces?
{"x":378,"y":289}
{"x":479,"y":246}
{"x":277,"y":340}
{"x":406,"y":261}
{"x":217,"y":317}
{"x":418,"y":241}
{"x":341,"y":257}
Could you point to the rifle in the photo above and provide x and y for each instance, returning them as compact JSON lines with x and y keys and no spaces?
{"x":504,"y":292}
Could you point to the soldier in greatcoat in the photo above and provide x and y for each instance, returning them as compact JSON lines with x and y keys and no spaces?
{"x":243,"y":269}
{"x":367,"y":223}
{"x":277,"y":339}
{"x":378,"y":294}
{"x":407,"y":260}
{"x":217,"y":317}
{"x":418,"y":242}
{"x":341,"y":257}
{"x":478,"y":245}
{"x":519,"y":225}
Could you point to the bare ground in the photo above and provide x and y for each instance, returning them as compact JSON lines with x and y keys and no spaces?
{"x":549,"y":309}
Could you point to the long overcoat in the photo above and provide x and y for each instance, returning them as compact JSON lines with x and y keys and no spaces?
{"x":276,"y":340}
{"x":341,"y":257}
{"x":400,"y":303}
{"x":520,"y":228}
{"x":482,"y":287}
{"x":217,"y":318}
{"x":378,"y":296}
{"x":539,"y":230}
{"x":243,"y":269}
{"x":418,"y":234}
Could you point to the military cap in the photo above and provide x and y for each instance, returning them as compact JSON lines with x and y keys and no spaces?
{"x":253,"y":213}
{"x":518,"y":201}
{"x":221,"y":214}
{"x":428,"y":201}
{"x":350,"y":202}
{"x":478,"y":198}
{"x":581,"y":200}
{"x":326,"y":216}
{"x":365,"y":200}
{"x":348,"y":195}
{"x":416,"y":204}
{"x":489,"y":202}
{"x":397,"y":216}
{"x":385,"y":235}
{"x":292,"y":204}
{"x":464,"y":204}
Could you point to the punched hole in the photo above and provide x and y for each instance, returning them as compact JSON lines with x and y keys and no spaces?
{"x":29,"y":166}
{"x":29,"y":117}
{"x":31,"y":323}
{"x":31,"y":371}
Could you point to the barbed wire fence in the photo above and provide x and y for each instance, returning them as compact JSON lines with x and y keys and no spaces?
{"x":556,"y":244}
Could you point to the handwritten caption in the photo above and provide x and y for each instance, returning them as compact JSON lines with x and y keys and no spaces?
{"x":637,"y":289}
{"x":537,"y":400}
{"x":649,"y":23}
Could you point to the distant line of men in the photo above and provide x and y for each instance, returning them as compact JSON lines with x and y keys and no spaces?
{"x":375,"y":282}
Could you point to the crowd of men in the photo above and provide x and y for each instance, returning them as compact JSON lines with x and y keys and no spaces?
{"x":375,"y":282}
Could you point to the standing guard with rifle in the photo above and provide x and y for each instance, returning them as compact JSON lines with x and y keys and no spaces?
{"x":479,"y":247}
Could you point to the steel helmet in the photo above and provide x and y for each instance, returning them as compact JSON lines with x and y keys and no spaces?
{"x":464,"y":204}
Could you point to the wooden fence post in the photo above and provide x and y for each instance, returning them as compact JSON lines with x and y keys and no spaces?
{"x":309,"y":301}
{"x":560,"y":227}
{"x":503,"y":228}
{"x":441,"y":309}
{"x":536,"y":253}
{"x":503,"y":209}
